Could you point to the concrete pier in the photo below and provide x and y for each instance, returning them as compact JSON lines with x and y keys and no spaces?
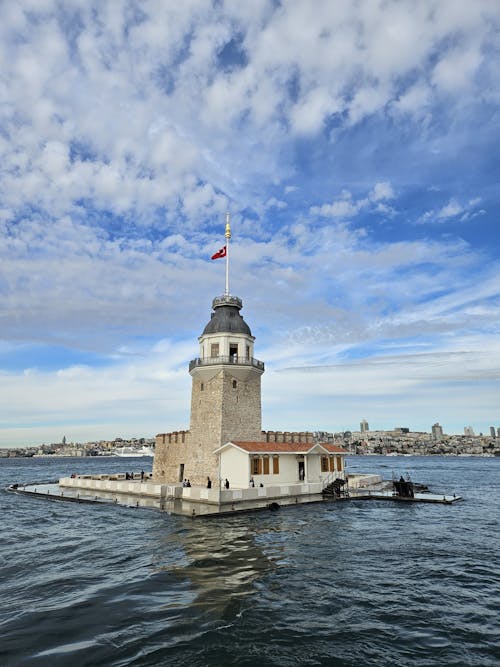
{"x":117,"y":484}
{"x":196,"y":501}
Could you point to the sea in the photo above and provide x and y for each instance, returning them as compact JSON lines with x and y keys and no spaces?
{"x":357,"y":583}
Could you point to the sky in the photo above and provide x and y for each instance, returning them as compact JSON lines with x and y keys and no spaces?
{"x":355,"y":144}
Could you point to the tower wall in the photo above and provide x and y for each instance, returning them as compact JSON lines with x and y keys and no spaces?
{"x":171,"y":450}
{"x":221,"y":412}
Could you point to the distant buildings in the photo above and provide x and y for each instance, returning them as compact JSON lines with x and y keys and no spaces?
{"x":492,"y":431}
{"x":437,"y":432}
{"x":469,"y":431}
{"x":364,"y":426}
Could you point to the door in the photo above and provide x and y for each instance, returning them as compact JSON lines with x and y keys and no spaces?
{"x":302,"y":471}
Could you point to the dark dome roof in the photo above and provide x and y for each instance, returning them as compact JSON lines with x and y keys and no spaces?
{"x":226,"y":317}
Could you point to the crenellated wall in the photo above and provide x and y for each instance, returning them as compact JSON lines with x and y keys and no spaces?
{"x":288,"y":436}
{"x":170,"y":452}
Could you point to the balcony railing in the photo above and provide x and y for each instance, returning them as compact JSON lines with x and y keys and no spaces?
{"x":233,"y":360}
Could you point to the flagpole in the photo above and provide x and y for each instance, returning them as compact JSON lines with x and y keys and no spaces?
{"x":228,"y":236}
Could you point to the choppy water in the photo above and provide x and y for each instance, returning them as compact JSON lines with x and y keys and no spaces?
{"x":360,"y":583}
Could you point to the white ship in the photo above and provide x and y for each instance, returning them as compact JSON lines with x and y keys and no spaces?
{"x":134,"y":451}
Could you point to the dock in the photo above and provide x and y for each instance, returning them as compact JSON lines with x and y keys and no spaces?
{"x":426,"y":497}
{"x":197,"y":502}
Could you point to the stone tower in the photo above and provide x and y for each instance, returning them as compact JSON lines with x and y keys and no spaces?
{"x":226,"y":392}
{"x":225,"y":399}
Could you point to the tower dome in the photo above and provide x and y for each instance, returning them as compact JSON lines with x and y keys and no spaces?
{"x":226,"y":317}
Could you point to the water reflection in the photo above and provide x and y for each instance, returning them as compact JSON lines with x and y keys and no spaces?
{"x":221,"y":560}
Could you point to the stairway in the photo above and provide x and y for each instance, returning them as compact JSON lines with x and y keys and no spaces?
{"x":336,"y":489}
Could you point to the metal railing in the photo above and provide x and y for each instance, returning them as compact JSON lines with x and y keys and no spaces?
{"x":230,"y":360}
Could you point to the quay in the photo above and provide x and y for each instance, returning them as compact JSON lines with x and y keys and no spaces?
{"x":426,"y":497}
{"x":140,"y":491}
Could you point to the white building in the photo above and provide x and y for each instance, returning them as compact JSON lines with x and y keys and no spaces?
{"x":246,"y":464}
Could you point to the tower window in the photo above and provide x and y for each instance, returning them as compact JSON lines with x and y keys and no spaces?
{"x":233,"y":352}
{"x":234,"y":384}
{"x":202,"y":387}
{"x":214,"y":350}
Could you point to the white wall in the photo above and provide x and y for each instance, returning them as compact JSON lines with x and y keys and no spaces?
{"x":224,"y":340}
{"x":235,"y":466}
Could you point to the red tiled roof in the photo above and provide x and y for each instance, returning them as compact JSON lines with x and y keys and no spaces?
{"x":334,"y":449}
{"x":291,"y":447}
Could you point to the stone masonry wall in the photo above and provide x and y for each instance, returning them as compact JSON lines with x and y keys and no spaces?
{"x":288,"y":436}
{"x":171,"y":449}
{"x":241,"y":409}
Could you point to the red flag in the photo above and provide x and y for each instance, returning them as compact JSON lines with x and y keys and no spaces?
{"x":220,"y":253}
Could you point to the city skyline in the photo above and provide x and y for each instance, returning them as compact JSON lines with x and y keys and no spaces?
{"x":355,"y":146}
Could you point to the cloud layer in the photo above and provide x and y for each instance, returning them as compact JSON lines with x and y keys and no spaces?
{"x":355,"y":146}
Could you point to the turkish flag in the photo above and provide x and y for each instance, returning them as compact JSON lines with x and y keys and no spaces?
{"x":219,"y":253}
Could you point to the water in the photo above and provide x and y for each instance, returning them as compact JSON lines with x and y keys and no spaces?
{"x":346,"y":584}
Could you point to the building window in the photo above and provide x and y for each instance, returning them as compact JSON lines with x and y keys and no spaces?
{"x":266,"y":465}
{"x":214,"y":350}
{"x":256,"y":466}
{"x":332,"y":463}
{"x":202,"y":387}
{"x":233,"y":351}
{"x":339,"y":463}
{"x":324,"y":464}
{"x":276,"y":465}
{"x":234,"y":384}
{"x":248,"y":351}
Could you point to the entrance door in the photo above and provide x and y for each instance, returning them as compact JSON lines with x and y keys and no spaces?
{"x":302,"y":471}
{"x":181,"y":472}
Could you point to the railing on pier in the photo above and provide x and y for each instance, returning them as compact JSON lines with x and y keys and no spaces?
{"x":217,"y":361}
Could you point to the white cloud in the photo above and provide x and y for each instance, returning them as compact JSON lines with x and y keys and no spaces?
{"x":453,"y":209}
{"x":456,"y":69}
{"x":347,"y":207}
{"x":125,"y":136}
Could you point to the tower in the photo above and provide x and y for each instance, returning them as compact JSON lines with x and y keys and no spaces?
{"x":225,"y":394}
{"x":226,"y":387}
{"x":437,"y":432}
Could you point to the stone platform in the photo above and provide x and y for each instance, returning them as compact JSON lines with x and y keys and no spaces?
{"x":117,"y":484}
{"x":143,"y":491}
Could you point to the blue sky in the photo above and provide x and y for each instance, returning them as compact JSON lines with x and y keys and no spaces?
{"x":356,"y":146}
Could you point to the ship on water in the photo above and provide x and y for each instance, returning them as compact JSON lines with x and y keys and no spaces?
{"x":133,"y":451}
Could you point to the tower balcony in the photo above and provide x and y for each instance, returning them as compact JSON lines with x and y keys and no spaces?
{"x":223,"y":361}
